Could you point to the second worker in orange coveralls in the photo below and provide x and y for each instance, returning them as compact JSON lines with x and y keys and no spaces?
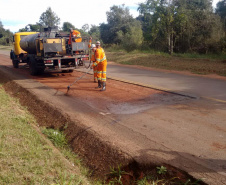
{"x":101,"y":63}
{"x":93,"y":47}
{"x":74,"y":36}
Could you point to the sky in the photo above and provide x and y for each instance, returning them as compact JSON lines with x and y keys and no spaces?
{"x":16,"y":14}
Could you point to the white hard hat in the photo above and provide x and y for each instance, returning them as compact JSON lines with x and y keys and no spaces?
{"x":93,"y":46}
{"x":98,"y":43}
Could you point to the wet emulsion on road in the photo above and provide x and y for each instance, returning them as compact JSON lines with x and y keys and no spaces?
{"x":119,"y":98}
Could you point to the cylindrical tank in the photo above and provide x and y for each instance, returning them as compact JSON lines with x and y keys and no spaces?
{"x":28,"y":43}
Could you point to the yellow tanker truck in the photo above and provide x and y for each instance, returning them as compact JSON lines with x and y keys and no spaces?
{"x":48,"y":50}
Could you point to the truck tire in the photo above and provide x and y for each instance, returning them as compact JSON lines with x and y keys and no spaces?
{"x":41,"y":71}
{"x":33,"y":66}
{"x":15,"y":63}
{"x":11,"y":54}
{"x":64,"y":71}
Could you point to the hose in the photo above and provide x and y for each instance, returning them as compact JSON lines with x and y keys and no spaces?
{"x":69,"y":86}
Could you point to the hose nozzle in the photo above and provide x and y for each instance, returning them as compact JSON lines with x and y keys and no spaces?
{"x":68,"y":88}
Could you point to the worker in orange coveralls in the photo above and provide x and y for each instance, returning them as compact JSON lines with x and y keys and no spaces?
{"x":75,"y":36}
{"x":101,"y":63}
{"x":93,"y":47}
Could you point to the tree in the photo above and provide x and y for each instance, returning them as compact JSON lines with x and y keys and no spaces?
{"x":23,"y":30}
{"x":203,"y":28}
{"x":161,"y":16}
{"x":118,"y":19}
{"x":221,"y":11}
{"x":1,"y":25}
{"x":95,"y":32}
{"x":5,"y":34}
{"x":34,"y":27}
{"x":180,"y":25}
{"x":105,"y":34}
{"x":30,"y":27}
{"x":67,"y":26}
{"x":133,"y":38}
{"x":1,"y":29}
{"x":85,"y":27}
{"x":49,"y":18}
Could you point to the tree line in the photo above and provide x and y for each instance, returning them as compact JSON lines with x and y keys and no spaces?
{"x":164,"y":25}
{"x":4,"y":33}
{"x":168,"y":25}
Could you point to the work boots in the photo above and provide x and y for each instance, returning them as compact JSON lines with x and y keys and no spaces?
{"x":104,"y":87}
{"x":99,"y":84}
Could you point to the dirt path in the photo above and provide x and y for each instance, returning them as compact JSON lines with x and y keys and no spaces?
{"x":149,"y":125}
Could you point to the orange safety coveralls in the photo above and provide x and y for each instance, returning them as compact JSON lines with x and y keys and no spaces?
{"x":94,"y":67}
{"x":101,"y":63}
{"x":90,"y":42}
{"x":75,"y":34}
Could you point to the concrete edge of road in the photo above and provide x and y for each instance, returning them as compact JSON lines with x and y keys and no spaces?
{"x":148,"y":86}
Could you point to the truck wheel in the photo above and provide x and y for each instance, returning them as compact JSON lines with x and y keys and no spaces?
{"x":33,"y":67}
{"x":15,"y":63}
{"x":11,"y":54}
{"x":41,"y":71}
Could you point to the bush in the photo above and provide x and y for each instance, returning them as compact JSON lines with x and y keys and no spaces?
{"x":3,"y":41}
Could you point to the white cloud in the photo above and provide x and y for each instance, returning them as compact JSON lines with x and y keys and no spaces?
{"x":16,"y":14}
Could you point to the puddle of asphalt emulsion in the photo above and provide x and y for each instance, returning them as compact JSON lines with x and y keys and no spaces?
{"x":145,"y":104}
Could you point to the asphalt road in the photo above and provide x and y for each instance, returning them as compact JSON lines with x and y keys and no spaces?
{"x":190,"y":135}
{"x":194,"y":85}
{"x":198,"y":86}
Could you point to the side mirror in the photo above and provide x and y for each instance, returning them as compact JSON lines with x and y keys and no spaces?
{"x":7,"y":40}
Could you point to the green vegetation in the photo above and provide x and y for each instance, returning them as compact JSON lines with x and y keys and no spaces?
{"x":161,"y":170}
{"x":199,"y":64}
{"x":157,"y":176}
{"x":177,"y":26}
{"x":25,"y":156}
{"x":59,"y":140}
{"x":3,"y":47}
{"x":150,"y":181}
{"x":4,"y":34}
{"x":168,"y":26}
{"x":116,"y":175}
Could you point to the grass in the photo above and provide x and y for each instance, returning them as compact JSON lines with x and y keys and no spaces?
{"x":59,"y":140}
{"x":194,"y":63}
{"x":25,"y":156}
{"x":5,"y":47}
